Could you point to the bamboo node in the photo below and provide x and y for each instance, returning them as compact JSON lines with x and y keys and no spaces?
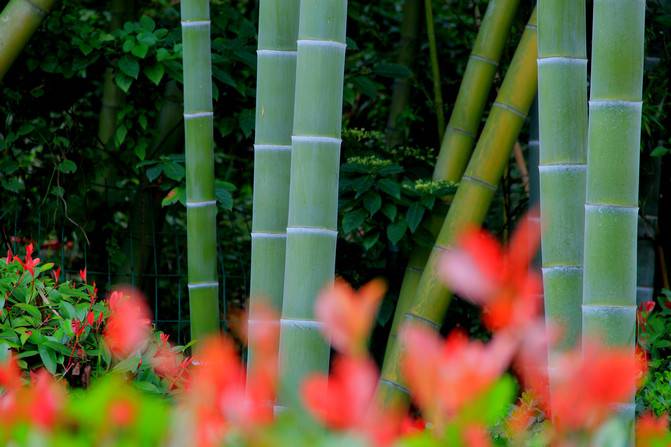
{"x":276,"y":53}
{"x":321,"y":43}
{"x":201,"y":204}
{"x":195,"y":23}
{"x":190,"y":116}
{"x":479,"y":181}
{"x":312,"y":230}
{"x":261,"y":235}
{"x":301,"y":324}
{"x":423,"y":320}
{"x":43,"y":13}
{"x":393,"y":384}
{"x":203,"y":285}
{"x":272,"y":148}
{"x":484,"y":59}
{"x":562,"y":60}
{"x":315,"y":139}
{"x":510,"y":108}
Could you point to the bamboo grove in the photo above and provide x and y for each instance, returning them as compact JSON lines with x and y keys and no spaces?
{"x":588,"y":159}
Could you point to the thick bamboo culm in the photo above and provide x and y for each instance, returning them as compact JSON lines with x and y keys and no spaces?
{"x":18,"y":22}
{"x":472,"y":199}
{"x":201,"y":204}
{"x":275,"y":87}
{"x":562,"y":102}
{"x":400,"y":96}
{"x":460,"y":133}
{"x":462,"y":129}
{"x":435,"y":69}
{"x":611,"y":208}
{"x":313,"y":192}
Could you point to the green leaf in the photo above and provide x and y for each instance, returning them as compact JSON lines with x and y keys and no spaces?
{"x":128,"y":66}
{"x":223,"y":193}
{"x":48,"y":358}
{"x":659,"y":151}
{"x":140,"y":50}
{"x":396,"y":231}
{"x":154,"y":73}
{"x":124,"y":82}
{"x":67,"y":167}
{"x":162,"y":54}
{"x":141,"y":149}
{"x":154,"y":172}
{"x":390,"y":187}
{"x":372,"y":202}
{"x":147,"y":23}
{"x":395,"y":71}
{"x":173,"y":171}
{"x":32,"y":310}
{"x":390,"y":210}
{"x":414,"y":216}
{"x":176,"y":195}
{"x":370,"y":240}
{"x":353,"y":220}
{"x":120,"y":135}
{"x":493,"y":405}
{"x":247,"y":118}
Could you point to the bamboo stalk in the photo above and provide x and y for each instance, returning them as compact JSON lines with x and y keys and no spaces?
{"x":562,"y":100}
{"x":313,"y":192}
{"x":460,"y":133}
{"x":201,"y":205}
{"x":18,"y":22}
{"x":472,"y":199}
{"x":407,"y":52}
{"x":276,"y":81}
{"x":611,"y":208}
{"x":462,"y":129}
{"x":435,"y":69}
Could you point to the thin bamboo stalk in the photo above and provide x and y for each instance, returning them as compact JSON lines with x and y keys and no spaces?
{"x":562,"y":100}
{"x":201,"y":204}
{"x":407,"y":52}
{"x":472,"y":199}
{"x":435,"y":69}
{"x":611,"y":208}
{"x":313,"y":192}
{"x":462,"y":129}
{"x":276,"y":82}
{"x":18,"y":22}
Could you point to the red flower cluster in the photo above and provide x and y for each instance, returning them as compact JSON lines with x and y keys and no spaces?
{"x":129,"y":324}
{"x":29,"y":263}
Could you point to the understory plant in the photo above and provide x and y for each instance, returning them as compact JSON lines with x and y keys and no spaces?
{"x":58,"y":324}
{"x":463,"y":390}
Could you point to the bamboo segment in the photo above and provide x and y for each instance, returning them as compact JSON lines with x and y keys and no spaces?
{"x":460,"y":133}
{"x":407,"y":53}
{"x":611,"y":210}
{"x":201,"y":205}
{"x":473,"y":197}
{"x":462,"y":129}
{"x":562,"y":99}
{"x":435,"y":69}
{"x":313,"y":192}
{"x":276,"y":80}
{"x":18,"y":22}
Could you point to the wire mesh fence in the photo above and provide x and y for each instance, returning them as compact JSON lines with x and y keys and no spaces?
{"x":162,"y":278}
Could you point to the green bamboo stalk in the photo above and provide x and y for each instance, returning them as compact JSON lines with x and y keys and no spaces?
{"x":313,"y":193}
{"x":460,"y":134}
{"x":472,"y":199}
{"x":18,"y":22}
{"x":407,"y":53}
{"x":435,"y":69}
{"x":461,"y":131}
{"x":201,"y":205}
{"x":276,"y":81}
{"x":562,"y":100}
{"x":611,"y":208}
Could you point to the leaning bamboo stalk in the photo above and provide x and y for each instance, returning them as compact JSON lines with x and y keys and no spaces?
{"x":201,"y":205}
{"x":462,"y":129}
{"x":435,"y":68}
{"x":18,"y":22}
{"x":472,"y":199}
{"x":313,"y":192}
{"x":460,"y":133}
{"x":611,"y":208}
{"x":562,"y":100}
{"x":275,"y":87}
{"x":400,"y":95}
